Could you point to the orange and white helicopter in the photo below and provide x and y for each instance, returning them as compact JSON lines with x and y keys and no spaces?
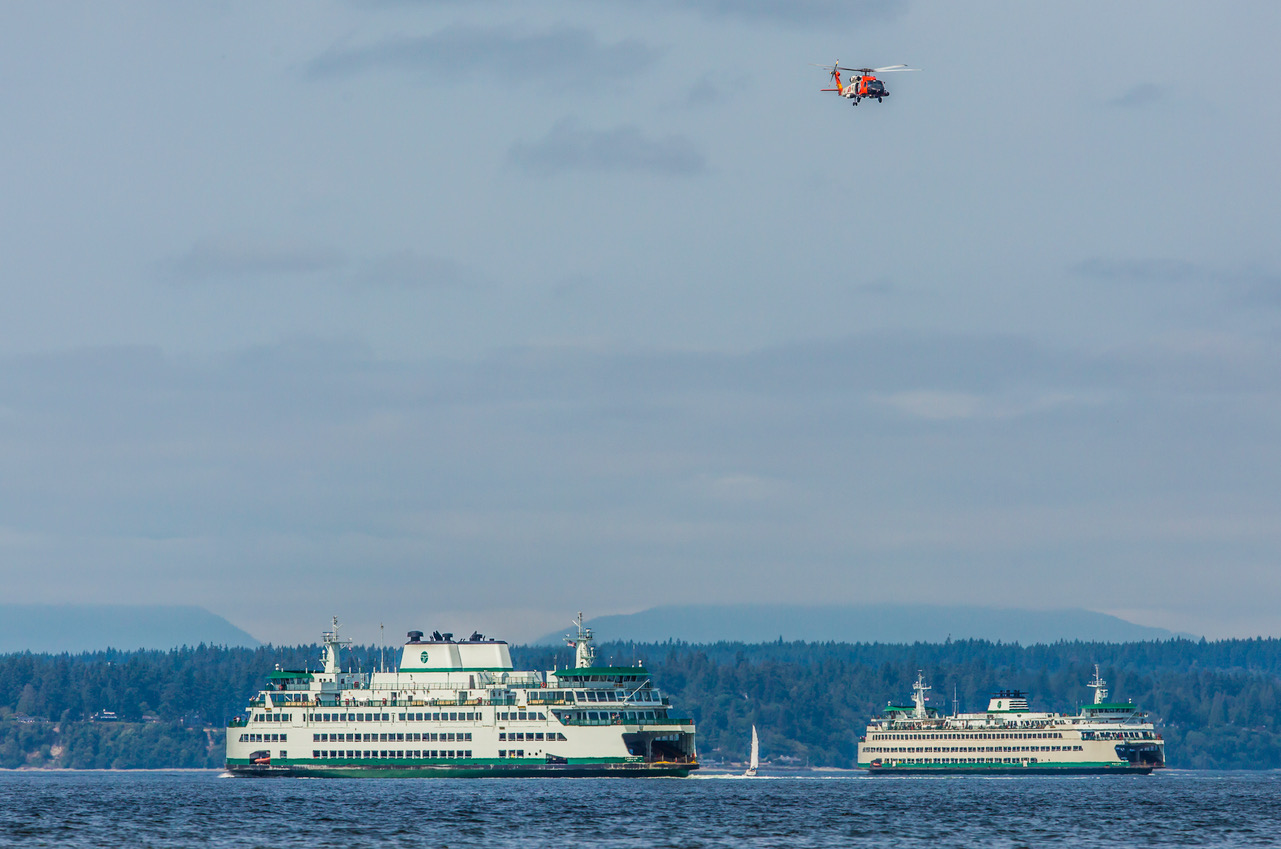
{"x":862,"y":82}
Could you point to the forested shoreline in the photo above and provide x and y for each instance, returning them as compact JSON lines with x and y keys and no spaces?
{"x":1216,"y":701}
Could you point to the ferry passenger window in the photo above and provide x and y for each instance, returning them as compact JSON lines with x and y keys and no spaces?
{"x":502,"y":753}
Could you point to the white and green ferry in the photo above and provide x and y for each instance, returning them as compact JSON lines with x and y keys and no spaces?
{"x":457,"y":708}
{"x":1010,"y":739}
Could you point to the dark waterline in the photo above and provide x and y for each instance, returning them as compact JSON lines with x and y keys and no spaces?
{"x":165,"y":809}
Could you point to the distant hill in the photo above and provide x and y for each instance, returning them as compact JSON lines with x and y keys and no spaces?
{"x":91,"y":627}
{"x":876,"y":623}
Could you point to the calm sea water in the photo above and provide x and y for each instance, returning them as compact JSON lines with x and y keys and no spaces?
{"x":162,"y":809}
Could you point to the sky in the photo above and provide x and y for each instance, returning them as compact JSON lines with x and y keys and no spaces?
{"x":472,"y":315}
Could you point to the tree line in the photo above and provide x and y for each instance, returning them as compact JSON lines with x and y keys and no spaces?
{"x":1217,"y":702}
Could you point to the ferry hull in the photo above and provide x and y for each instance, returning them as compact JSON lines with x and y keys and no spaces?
{"x":1004,"y":769}
{"x":584,"y":770}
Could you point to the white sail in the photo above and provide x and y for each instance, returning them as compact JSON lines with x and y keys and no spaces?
{"x":756,"y":753}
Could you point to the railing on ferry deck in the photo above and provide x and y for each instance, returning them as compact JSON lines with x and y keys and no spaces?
{"x":566,"y":720}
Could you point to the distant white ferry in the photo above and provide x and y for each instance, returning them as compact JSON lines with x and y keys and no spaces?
{"x":459,"y":709}
{"x":1009,"y":738}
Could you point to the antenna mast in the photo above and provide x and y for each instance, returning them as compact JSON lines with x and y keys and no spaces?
{"x":1099,"y":686}
{"x":581,"y":643}
{"x":918,"y":695}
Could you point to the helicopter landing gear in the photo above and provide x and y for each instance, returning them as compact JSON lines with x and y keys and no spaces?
{"x":880,"y":100}
{"x":854,"y":101}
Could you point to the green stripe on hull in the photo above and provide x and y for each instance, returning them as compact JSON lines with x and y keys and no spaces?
{"x":402,"y":762}
{"x":1084,"y":768}
{"x":476,"y":768}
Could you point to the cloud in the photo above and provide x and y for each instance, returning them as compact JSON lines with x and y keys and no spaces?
{"x":563,"y":54}
{"x":1243,"y":286}
{"x":535,"y":466}
{"x":260,"y":258}
{"x":936,"y":405}
{"x":1144,"y":270}
{"x":567,"y":147}
{"x":738,"y":488}
{"x":1136,"y":97}
{"x":704,"y":92}
{"x":409,"y":269}
{"x":794,"y":12}
{"x":797,"y":12}
{"x":250,"y":256}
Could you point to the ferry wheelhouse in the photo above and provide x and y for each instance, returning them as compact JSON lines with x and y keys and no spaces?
{"x":457,"y":708}
{"x":1010,"y":738}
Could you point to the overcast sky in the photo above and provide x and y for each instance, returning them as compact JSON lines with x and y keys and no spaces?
{"x":477,"y":314}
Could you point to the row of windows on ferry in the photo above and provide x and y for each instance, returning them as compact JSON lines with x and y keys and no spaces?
{"x":910,"y":749}
{"x":399,"y":754}
{"x":442,"y":737}
{"x":264,"y":738}
{"x":423,"y":716}
{"x":994,"y":735}
{"x":605,"y":715}
{"x":530,"y":737}
{"x":595,"y":696}
{"x":964,"y":760}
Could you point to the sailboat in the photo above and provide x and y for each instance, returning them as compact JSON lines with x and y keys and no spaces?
{"x":756,"y":755}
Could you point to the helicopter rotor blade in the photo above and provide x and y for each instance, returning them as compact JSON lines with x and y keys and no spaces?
{"x":892,"y":68}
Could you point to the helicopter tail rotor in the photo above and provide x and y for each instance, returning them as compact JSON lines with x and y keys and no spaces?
{"x":834,"y":74}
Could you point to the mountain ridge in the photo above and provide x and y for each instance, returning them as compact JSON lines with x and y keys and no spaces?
{"x":57,"y":628}
{"x":872,"y":623}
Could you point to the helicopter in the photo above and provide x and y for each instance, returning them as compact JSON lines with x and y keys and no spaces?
{"x":862,"y":82}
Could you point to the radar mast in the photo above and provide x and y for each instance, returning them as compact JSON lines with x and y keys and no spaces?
{"x":1100,"y":687}
{"x":918,"y":695}
{"x":581,"y":643}
{"x":332,"y":644}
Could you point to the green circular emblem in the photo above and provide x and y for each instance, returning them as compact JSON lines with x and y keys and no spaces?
{"x":423,"y":656}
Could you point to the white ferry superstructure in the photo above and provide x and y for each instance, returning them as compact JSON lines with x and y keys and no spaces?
{"x":1009,"y":738}
{"x":459,"y":709}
